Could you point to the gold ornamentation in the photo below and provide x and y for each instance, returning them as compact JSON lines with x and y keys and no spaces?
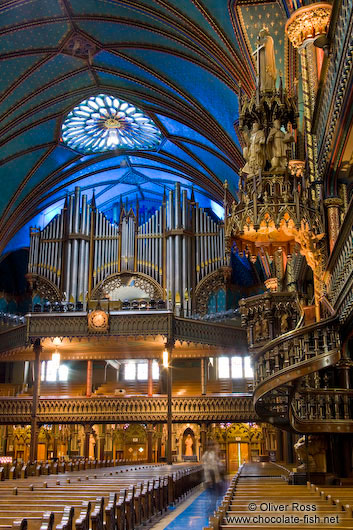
{"x":98,"y":321}
{"x":297,"y":168}
{"x":308,"y":22}
{"x":272,"y":284}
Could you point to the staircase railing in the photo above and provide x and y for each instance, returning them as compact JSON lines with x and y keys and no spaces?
{"x":282,"y":363}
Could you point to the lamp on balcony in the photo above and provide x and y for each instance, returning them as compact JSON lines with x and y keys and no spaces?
{"x":165,"y":357}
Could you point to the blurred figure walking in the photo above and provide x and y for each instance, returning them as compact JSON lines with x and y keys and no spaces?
{"x":211,"y":465}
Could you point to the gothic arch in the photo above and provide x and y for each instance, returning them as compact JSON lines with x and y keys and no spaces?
{"x":208,"y":285}
{"x":45,"y":289}
{"x":148,"y":284}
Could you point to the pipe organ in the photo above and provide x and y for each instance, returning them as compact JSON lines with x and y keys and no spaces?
{"x":80,"y":248}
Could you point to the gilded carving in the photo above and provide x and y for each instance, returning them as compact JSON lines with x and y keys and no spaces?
{"x":147,"y":284}
{"x":308,"y":22}
{"x":98,"y":321}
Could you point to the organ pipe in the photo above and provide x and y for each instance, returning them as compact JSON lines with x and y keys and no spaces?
{"x":177,"y":246}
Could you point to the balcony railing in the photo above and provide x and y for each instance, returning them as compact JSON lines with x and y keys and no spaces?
{"x":298,"y":354}
{"x":318,"y":410}
{"x":227,"y":408}
{"x":139,"y":323}
{"x":339,"y":276}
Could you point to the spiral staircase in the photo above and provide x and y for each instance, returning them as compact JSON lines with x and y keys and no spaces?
{"x":291,"y":389}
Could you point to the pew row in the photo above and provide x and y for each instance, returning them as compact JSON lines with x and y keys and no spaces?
{"x":122,"y":499}
{"x":18,"y":470}
{"x":259,"y":502}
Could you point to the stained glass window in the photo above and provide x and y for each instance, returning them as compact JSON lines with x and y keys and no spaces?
{"x":103,"y":123}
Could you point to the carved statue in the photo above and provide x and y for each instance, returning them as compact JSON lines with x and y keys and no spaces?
{"x":254,"y":152}
{"x":277,"y":145}
{"x":188,"y":445}
{"x":314,"y":455}
{"x":231,"y":222}
{"x":264,"y":328}
{"x":289,"y":139}
{"x":258,"y":330}
{"x":284,"y":323}
{"x":266,"y":61}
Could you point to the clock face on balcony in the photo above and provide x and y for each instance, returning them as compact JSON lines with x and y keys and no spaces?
{"x":98,"y":321}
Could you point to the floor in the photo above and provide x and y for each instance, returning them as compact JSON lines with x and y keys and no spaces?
{"x":193,"y":514}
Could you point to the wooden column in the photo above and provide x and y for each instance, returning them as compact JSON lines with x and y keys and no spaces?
{"x":26,"y":372}
{"x":333,"y":205}
{"x":150,"y":443}
{"x":102,"y":443}
{"x":37,"y":348}
{"x":159,"y":441}
{"x":169,"y":408}
{"x":150,"y":380}
{"x":55,"y":441}
{"x":204,"y":376}
{"x":88,"y":430}
{"x":279,"y":443}
{"x":89,"y":378}
{"x":344,"y":366}
{"x":203,"y":433}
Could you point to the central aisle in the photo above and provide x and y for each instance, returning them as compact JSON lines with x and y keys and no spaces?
{"x":196,"y":515}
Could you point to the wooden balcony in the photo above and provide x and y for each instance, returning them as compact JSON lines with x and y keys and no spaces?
{"x":221,"y":408}
{"x":125,"y":324}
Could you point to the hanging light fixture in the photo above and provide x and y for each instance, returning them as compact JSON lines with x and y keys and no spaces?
{"x":56,"y":341}
{"x":165,"y":358}
{"x":56,"y":359}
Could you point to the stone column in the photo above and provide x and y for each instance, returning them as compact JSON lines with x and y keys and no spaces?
{"x":88,"y":430}
{"x":150,"y":380}
{"x":89,"y":378}
{"x":203,"y":376}
{"x":150,"y":443}
{"x":333,"y":205}
{"x":37,"y":348}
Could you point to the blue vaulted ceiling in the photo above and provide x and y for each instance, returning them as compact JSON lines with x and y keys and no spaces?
{"x":177,"y":60}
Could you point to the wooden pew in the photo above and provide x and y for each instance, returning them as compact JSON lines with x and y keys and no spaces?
{"x":266,"y":494}
{"x":120,"y":500}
